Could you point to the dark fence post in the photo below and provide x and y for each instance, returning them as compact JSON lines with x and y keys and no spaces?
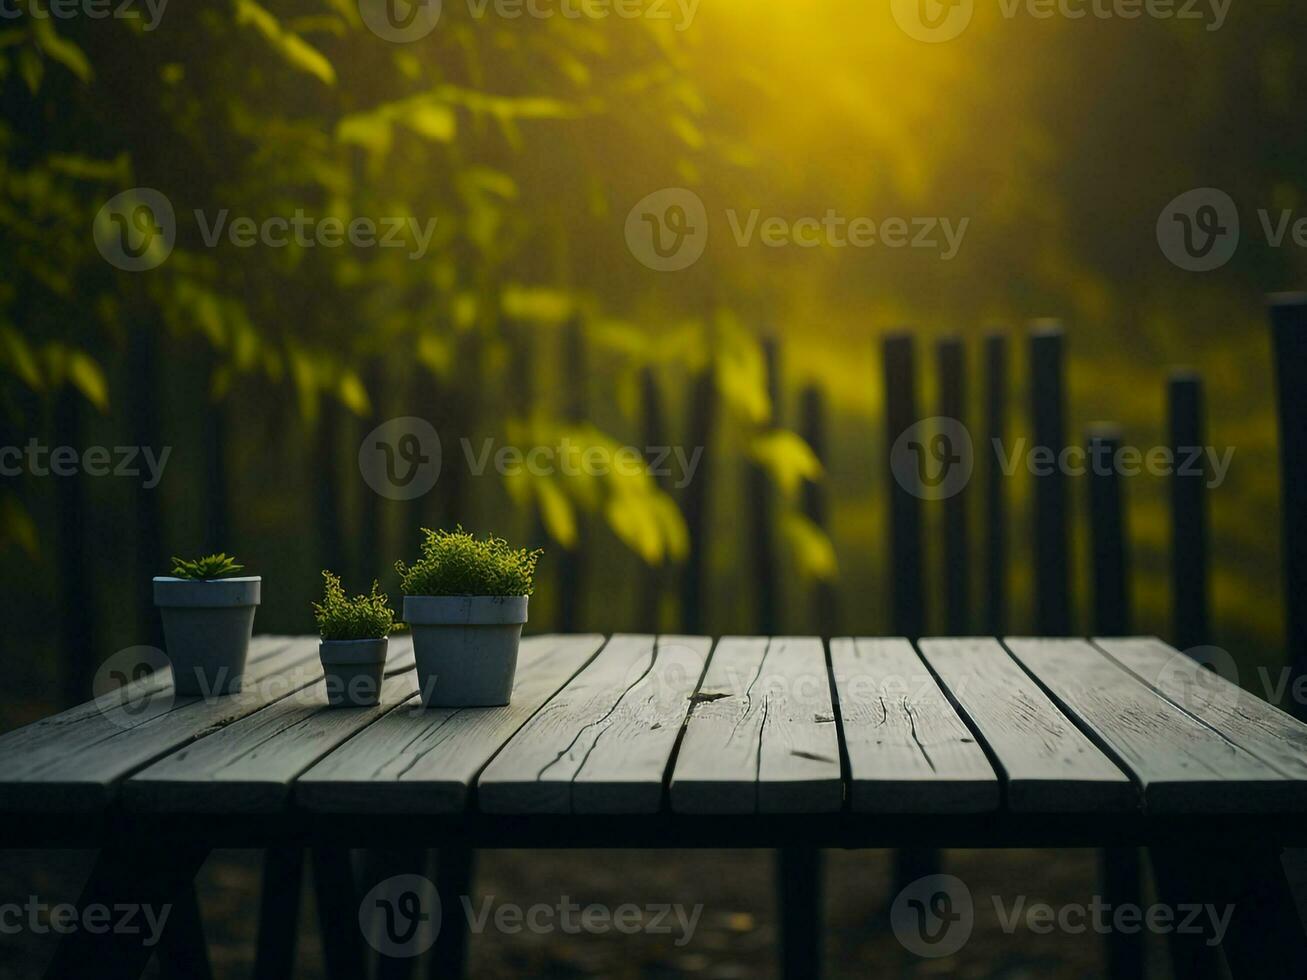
{"x":571,"y":562}
{"x":367,"y":557}
{"x":758,"y":505}
{"x":702,"y":421}
{"x":951,"y":355}
{"x":1107,"y":535}
{"x":905,"y":571}
{"x":655,"y":435}
{"x":326,"y":477}
{"x":78,"y":636}
{"x":216,"y":429}
{"x":1289,"y":328}
{"x":812,"y":426}
{"x":1051,"y":540}
{"x":995,"y":614}
{"x":1120,"y":867}
{"x":145,"y":404}
{"x":1189,"y":623}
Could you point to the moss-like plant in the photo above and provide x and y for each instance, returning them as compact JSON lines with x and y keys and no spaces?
{"x":364,"y":617}
{"x":210,"y":566}
{"x":456,"y":563}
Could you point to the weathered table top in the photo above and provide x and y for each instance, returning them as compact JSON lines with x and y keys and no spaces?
{"x":672,"y":740}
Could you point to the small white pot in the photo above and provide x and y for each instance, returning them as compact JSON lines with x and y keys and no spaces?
{"x":353,"y":670}
{"x":207,"y":625}
{"x":465,"y":647}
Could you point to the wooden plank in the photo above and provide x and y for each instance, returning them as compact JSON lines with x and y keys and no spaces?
{"x":1289,"y":336}
{"x":75,"y":767}
{"x":1181,"y":764}
{"x":602,"y":744}
{"x":1050,"y":532}
{"x":1262,"y":729}
{"x":249,"y":766}
{"x":1048,"y":765}
{"x":417,"y":760}
{"x":761,"y":735}
{"x":996,"y":388}
{"x":1189,"y":551}
{"x":908,"y":610}
{"x":908,"y":750}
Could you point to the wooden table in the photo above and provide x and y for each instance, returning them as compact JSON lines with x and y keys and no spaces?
{"x":636,"y":741}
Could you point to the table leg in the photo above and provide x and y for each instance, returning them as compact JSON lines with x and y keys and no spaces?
{"x":380,"y":864}
{"x":1121,"y":877}
{"x":454,"y":869}
{"x":279,"y":912}
{"x":799,"y":892}
{"x":142,"y":886}
{"x":1264,"y":935}
{"x":183,"y":952}
{"x":337,"y":898}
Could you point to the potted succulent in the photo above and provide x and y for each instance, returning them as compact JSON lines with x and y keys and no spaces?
{"x":208,"y":618}
{"x":355,"y":633}
{"x":465,"y":602}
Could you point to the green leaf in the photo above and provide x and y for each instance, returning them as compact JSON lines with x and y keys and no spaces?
{"x":370,"y":130}
{"x":20,"y":358}
{"x":17,"y":526}
{"x":788,"y":459}
{"x":292,"y":47}
{"x":58,"y":49}
{"x":87,"y":378}
{"x":814,"y":555}
{"x":429,"y":119}
{"x":353,"y":394}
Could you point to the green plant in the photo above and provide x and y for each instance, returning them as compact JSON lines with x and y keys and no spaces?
{"x":210,"y":566}
{"x":364,"y":617}
{"x":456,"y":563}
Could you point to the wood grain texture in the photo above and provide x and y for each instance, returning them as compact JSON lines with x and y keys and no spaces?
{"x":1262,"y":729}
{"x":250,"y":765}
{"x":416,"y":760}
{"x":1048,"y":765}
{"x":1181,"y":764}
{"x":76,"y":765}
{"x":908,"y":750}
{"x":602,"y":744}
{"x":761,"y":734}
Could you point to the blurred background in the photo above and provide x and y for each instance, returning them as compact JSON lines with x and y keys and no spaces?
{"x":531,"y":317}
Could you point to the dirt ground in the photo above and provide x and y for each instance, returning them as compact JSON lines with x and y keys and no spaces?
{"x":734,"y":937}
